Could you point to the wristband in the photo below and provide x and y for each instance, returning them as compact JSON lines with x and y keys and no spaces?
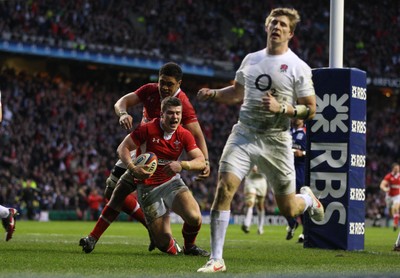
{"x":185,"y":165}
{"x":301,"y":111}
{"x":130,"y":166}
{"x":214,"y":94}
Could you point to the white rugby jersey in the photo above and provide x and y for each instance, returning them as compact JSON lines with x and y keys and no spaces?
{"x":286,"y":75}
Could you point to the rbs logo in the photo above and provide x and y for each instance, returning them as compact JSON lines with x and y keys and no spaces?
{"x":356,"y":228}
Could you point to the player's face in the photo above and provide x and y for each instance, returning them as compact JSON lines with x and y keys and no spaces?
{"x":278,"y":30}
{"x":171,"y":118}
{"x":167,"y":86}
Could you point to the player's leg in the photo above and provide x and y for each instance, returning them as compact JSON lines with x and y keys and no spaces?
{"x":153,"y":202}
{"x":110,"y":212}
{"x":187,"y":207}
{"x":397,"y":243}
{"x":130,"y":205}
{"x":250,"y":199}
{"x":8,"y":217}
{"x":235,"y":164}
{"x":395,"y":213}
{"x":228,"y":183}
{"x":160,"y":228}
{"x":260,"y":213}
{"x":278,"y":165}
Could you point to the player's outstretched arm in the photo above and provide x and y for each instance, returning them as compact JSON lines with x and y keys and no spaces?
{"x":229,"y":95}
{"x":198,"y":135}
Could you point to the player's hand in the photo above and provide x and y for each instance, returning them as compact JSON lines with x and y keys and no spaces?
{"x":205,"y":173}
{"x":205,"y":94}
{"x":140,"y":172}
{"x":126,"y":121}
{"x":172,"y":168}
{"x":270,"y":103}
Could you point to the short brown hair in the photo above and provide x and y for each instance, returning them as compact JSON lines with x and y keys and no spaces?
{"x":170,"y":101}
{"x":292,"y":14}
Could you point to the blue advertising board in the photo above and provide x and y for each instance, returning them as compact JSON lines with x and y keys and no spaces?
{"x":336,"y":159}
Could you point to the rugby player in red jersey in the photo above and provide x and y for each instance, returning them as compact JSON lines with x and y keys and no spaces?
{"x":150,"y":96}
{"x":163,"y":191}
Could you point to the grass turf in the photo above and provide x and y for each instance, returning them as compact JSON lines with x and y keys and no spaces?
{"x":50,"y":249}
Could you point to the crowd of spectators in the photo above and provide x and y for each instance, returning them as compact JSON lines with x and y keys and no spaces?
{"x":61,"y":135}
{"x":205,"y":31}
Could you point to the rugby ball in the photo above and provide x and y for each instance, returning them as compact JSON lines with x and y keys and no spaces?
{"x":149,"y":160}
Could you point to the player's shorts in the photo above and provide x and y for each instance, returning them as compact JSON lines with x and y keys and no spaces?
{"x":256,"y":186}
{"x":272,"y":152}
{"x":157,"y":201}
{"x":395,"y":199}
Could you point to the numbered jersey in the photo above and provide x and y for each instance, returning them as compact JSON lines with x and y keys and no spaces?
{"x":286,"y":76}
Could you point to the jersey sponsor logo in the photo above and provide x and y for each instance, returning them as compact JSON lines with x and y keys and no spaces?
{"x":163,"y":161}
{"x":156,"y":140}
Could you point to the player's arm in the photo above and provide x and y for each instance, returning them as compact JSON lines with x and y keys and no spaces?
{"x":198,"y":135}
{"x":304,"y":109}
{"x":124,"y":153}
{"x":196,"y":161}
{"x":233,"y":94}
{"x":384,"y":186}
{"x":121,"y":107}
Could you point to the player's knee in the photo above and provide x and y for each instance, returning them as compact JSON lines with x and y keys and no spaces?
{"x":111,"y":183}
{"x":225,"y":190}
{"x":194,"y":220}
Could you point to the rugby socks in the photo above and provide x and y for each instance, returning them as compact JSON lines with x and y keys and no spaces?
{"x":219,"y":225}
{"x":307,"y":199}
{"x":132,"y":208}
{"x":189,"y":234}
{"x":248,"y":216}
{"x":108,"y":215}
{"x":172,"y":248}
{"x":395,"y":220}
{"x":398,"y":240}
{"x":261,"y":217}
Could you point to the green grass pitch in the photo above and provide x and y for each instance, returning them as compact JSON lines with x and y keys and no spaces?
{"x":50,"y":249}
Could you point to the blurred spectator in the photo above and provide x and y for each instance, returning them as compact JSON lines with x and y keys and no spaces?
{"x":95,"y":202}
{"x":81,"y":203}
{"x":204,"y":32}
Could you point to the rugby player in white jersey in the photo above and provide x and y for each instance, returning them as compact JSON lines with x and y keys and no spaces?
{"x":273,"y":85}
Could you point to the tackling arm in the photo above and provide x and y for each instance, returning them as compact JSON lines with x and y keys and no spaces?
{"x":197,"y":161}
{"x":121,"y":106}
{"x":198,"y":135}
